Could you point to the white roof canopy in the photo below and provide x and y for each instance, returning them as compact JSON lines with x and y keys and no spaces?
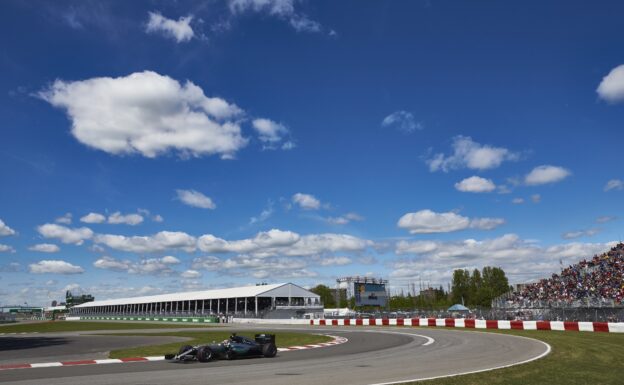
{"x":275,"y":290}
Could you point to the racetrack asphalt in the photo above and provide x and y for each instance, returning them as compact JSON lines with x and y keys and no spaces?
{"x":372,"y":355}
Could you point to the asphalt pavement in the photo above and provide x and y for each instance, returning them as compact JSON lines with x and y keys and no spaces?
{"x":372,"y":355}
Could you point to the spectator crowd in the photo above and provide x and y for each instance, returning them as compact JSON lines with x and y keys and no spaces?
{"x":600,"y":278}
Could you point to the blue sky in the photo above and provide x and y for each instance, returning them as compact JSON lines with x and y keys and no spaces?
{"x":152,"y":147}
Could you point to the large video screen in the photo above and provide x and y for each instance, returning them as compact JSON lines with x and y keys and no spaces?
{"x":370,"y":294}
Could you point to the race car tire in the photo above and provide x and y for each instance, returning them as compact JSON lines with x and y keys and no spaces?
{"x":204,"y":354}
{"x":269,"y":350}
{"x":230,"y":355}
{"x":184,"y":348}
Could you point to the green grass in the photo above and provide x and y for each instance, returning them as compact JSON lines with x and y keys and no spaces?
{"x":283,"y":339}
{"x":72,"y":326}
{"x":576,"y":358}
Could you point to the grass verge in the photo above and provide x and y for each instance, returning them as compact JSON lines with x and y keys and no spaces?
{"x":577,"y":358}
{"x":74,"y":326}
{"x":283,"y":339}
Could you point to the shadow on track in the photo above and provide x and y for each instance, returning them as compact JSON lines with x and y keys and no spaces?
{"x":11,"y":343}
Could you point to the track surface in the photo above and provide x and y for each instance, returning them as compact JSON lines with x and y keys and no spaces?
{"x":373,"y":355}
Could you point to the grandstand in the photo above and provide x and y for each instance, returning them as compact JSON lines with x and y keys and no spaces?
{"x":285,"y":300}
{"x":590,"y":289}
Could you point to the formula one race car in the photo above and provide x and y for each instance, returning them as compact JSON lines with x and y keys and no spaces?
{"x":263,"y":345}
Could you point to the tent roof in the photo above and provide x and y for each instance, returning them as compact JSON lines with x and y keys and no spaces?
{"x":458,"y":307}
{"x":275,"y":290}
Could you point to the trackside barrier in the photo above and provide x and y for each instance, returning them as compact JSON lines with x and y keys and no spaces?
{"x":605,"y":327}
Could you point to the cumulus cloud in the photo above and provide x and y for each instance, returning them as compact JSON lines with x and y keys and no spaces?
{"x":6,"y":249}
{"x":195,"y":199}
{"x":335,"y":261}
{"x":54,"y":267}
{"x":282,"y":9}
{"x":286,"y":243}
{"x":209,"y":263}
{"x":65,"y":219}
{"x":517,"y":201}
{"x":427,"y":222}
{"x":546,"y":174}
{"x":264,"y":214}
{"x":148,"y":114}
{"x":128,"y":219}
{"x":403,"y":121}
{"x":475,"y":184}
{"x":93,"y":218}
{"x":271,"y":134}
{"x":190,"y":274}
{"x":522,"y":260}
{"x":147,"y":266}
{"x":180,"y":30}
{"x":5,"y":229}
{"x":306,"y":201}
{"x":470,"y":154}
{"x":611,"y":88}
{"x":158,"y":242}
{"x":45,"y":248}
{"x":614,"y":184}
{"x":75,"y":236}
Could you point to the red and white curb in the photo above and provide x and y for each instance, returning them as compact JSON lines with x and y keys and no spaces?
{"x":337,"y":341}
{"x":607,"y":327}
{"x":10,"y":334}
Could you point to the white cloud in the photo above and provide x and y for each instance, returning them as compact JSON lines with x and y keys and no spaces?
{"x":5,"y":230}
{"x":264,"y":215}
{"x":128,"y":219}
{"x":522,"y":260}
{"x":475,"y":184}
{"x":149,"y":266}
{"x":93,"y":218}
{"x":149,"y":114}
{"x":335,"y":261}
{"x":286,"y":243}
{"x":486,"y":223}
{"x":65,"y":219}
{"x":68,"y":235}
{"x":45,"y":248}
{"x":614,"y":184}
{"x":470,"y":154}
{"x":54,"y":267}
{"x":157,"y":218}
{"x":306,"y":201}
{"x":580,"y":233}
{"x":427,"y":222}
{"x":402,"y":121}
{"x":546,"y":174}
{"x":605,"y":219}
{"x":6,"y":249}
{"x":195,"y":199}
{"x":282,"y":9}
{"x":158,"y":242}
{"x":611,"y":87}
{"x":536,"y":198}
{"x":208,"y":263}
{"x":345,"y":219}
{"x":179,"y":30}
{"x":517,"y":201}
{"x":190,"y":274}
{"x":269,"y":132}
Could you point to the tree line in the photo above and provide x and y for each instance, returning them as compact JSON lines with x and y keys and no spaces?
{"x":472,"y":289}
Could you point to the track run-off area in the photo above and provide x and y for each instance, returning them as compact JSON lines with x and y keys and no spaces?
{"x":376,"y":355}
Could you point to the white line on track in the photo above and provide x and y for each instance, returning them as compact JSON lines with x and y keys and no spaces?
{"x":417,"y":379}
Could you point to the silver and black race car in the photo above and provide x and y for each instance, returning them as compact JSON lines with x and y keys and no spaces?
{"x":263,"y":345}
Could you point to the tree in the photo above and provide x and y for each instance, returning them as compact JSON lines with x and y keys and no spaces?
{"x":326,"y":295}
{"x":460,"y":286}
